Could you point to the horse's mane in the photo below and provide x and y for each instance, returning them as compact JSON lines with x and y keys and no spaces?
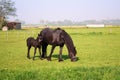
{"x":68,"y":41}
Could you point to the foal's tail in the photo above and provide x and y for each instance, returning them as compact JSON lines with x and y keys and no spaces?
{"x":28,"y":41}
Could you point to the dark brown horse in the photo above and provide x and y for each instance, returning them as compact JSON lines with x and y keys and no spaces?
{"x":36,"y":43}
{"x":57,"y":37}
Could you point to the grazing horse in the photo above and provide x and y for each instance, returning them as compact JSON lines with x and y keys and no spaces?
{"x":36,"y":43}
{"x":57,"y":37}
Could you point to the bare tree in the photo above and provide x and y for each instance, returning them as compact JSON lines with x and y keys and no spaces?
{"x":6,"y":9}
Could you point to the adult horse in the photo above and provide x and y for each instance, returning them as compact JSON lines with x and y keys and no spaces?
{"x":57,"y":37}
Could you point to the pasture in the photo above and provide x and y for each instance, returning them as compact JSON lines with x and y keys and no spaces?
{"x":98,"y":53}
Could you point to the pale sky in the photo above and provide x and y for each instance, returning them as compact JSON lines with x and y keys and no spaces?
{"x":32,"y":11}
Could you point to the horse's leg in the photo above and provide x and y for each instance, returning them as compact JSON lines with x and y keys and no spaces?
{"x":34,"y":53}
{"x":28,"y":54}
{"x":49,"y":57}
{"x":60,"y":53}
{"x":40,"y":51}
{"x":44,"y":47}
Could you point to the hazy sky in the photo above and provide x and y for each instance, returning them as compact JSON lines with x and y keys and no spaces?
{"x":32,"y":11}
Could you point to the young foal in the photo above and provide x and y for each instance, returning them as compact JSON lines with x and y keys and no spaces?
{"x":36,"y":43}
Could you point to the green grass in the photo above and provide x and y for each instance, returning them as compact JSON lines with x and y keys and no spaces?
{"x":98,"y":52}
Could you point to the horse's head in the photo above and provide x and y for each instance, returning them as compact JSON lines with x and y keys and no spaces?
{"x":73,"y":57}
{"x":72,"y":54}
{"x":39,"y":38}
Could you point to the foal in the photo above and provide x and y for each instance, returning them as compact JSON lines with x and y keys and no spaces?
{"x":36,"y":43}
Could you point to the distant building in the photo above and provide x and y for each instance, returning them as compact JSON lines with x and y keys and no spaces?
{"x":95,"y":25}
{"x":13,"y":25}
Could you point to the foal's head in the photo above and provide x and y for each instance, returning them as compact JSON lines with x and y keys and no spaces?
{"x":39,"y":38}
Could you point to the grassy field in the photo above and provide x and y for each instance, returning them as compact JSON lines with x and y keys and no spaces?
{"x":98,"y":52}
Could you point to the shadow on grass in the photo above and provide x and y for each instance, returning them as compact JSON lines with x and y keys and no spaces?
{"x":64,"y":57}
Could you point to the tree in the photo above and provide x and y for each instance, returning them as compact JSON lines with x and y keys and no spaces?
{"x":6,"y":9}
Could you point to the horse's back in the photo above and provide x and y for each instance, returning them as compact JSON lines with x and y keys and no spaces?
{"x":30,"y":38}
{"x":51,"y":36}
{"x":47,"y":35}
{"x":46,"y":31}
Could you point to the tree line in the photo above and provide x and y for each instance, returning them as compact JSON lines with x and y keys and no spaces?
{"x":72,"y":23}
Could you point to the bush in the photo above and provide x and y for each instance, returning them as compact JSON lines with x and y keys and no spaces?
{"x":2,"y":22}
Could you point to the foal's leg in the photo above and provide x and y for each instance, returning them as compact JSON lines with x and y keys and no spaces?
{"x":28,"y":54}
{"x":60,"y":54}
{"x":49,"y":57}
{"x":34,"y":52}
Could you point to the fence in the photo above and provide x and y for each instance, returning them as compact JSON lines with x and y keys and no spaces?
{"x":10,"y":35}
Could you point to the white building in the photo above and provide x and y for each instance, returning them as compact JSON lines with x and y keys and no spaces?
{"x":95,"y":25}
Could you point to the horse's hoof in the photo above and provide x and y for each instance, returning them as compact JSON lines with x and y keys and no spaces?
{"x":49,"y":59}
{"x":44,"y":57}
{"x":74,"y":60}
{"x":33,"y":59}
{"x":41,"y":58}
{"x":28,"y":57}
{"x":60,"y":60}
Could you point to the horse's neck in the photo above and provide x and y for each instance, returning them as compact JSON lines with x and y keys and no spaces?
{"x":69,"y":43}
{"x":70,"y":46}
